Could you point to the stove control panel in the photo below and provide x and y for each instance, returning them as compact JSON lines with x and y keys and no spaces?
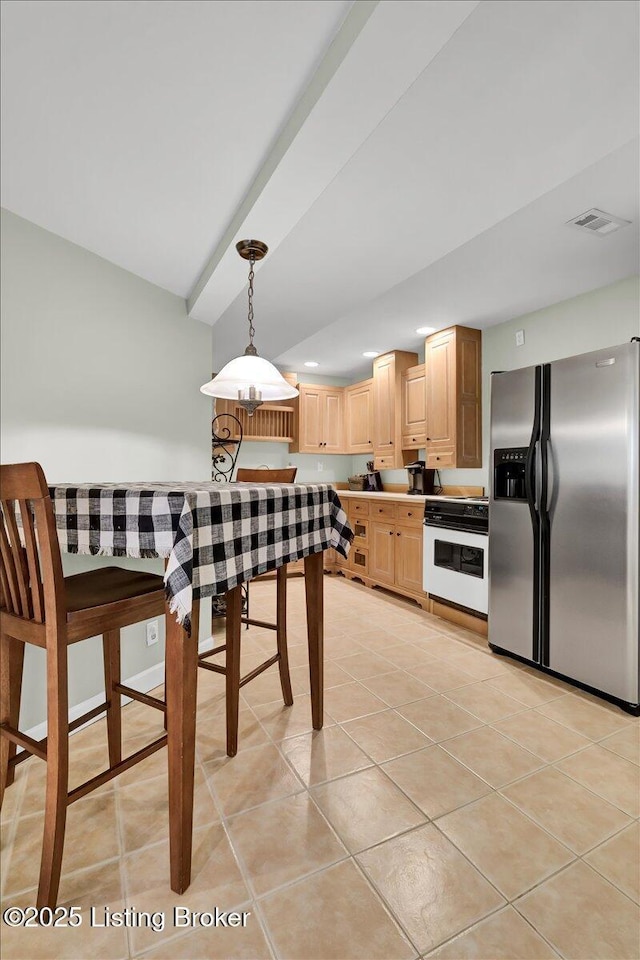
{"x":457,"y":515}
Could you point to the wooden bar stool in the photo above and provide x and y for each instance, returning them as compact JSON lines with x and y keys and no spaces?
{"x":234,"y":618}
{"x":39,"y":605}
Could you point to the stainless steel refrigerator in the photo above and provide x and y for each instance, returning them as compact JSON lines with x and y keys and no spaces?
{"x":563,"y":519}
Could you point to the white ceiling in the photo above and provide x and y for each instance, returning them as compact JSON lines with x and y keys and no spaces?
{"x":135,"y":129}
{"x":408,"y":162}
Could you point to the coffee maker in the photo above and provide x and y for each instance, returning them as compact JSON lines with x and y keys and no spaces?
{"x":421,"y":480}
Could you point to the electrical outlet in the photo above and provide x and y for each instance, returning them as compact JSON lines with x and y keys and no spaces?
{"x":152,"y":633}
{"x":320,"y":466}
{"x":519,"y":338}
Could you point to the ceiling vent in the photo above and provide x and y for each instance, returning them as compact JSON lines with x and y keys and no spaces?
{"x":597,"y":222}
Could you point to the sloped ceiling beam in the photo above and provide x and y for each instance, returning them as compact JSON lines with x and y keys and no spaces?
{"x":338,"y":50}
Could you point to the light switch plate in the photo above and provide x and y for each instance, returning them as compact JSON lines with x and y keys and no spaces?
{"x":519,"y":338}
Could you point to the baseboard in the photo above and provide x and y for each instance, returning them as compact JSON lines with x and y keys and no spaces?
{"x":142,"y":682}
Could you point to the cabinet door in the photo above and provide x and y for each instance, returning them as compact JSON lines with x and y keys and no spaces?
{"x":359,"y":417}
{"x":408,"y":557}
{"x":360,"y":528}
{"x":383,"y":403}
{"x":469,"y":373}
{"x":440,"y":368}
{"x":310,"y":419}
{"x":382,"y":552}
{"x":414,"y":408}
{"x":332,"y":425}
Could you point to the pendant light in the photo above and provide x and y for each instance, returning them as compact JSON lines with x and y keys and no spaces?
{"x":250,"y":380}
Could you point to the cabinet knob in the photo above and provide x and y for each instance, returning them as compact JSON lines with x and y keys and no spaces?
{"x":429,"y":438}
{"x":397,"y":534}
{"x":409,"y":514}
{"x":390,"y":533}
{"x":437,"y":458}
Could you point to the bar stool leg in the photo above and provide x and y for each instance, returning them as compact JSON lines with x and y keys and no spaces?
{"x":111,"y":653}
{"x":55,"y":814}
{"x":281,"y":622}
{"x":233,"y":600}
{"x":11,"y":664}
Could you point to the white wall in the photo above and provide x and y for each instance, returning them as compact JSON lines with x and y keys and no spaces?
{"x":100,"y":381}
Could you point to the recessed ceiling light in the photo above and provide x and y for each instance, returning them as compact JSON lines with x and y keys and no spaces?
{"x":311,"y":363}
{"x":371,"y":353}
{"x":426,"y":330}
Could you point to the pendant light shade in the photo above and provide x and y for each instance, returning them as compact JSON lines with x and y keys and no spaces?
{"x":246,"y":373}
{"x":250,"y":380}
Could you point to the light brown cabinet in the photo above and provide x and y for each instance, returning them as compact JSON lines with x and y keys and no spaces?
{"x":383,"y":552}
{"x":387,"y":409}
{"x":318,"y":422}
{"x":396,"y":555}
{"x":414,"y":408}
{"x":387,"y":546}
{"x":453,"y":392}
{"x":409,"y":549}
{"x":359,"y":417}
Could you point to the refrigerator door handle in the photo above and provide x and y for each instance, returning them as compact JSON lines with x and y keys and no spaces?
{"x":532,"y":483}
{"x":545,"y":519}
{"x":549,"y":486}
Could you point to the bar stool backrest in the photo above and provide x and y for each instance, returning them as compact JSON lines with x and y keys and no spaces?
{"x":31,"y":579}
{"x":284,"y":475}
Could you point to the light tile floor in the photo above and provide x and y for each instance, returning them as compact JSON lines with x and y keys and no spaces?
{"x":455,"y":805}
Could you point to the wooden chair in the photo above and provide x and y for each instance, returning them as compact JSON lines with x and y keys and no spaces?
{"x":231,"y":670}
{"x":41,"y":606}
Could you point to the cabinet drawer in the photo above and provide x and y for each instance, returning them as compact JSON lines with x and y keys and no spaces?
{"x":414,"y":441}
{"x":382,"y":509}
{"x":385,"y":461}
{"x":358,"y":508}
{"x":444,"y":456}
{"x":359,"y":560}
{"x":410,"y":513}
{"x":360,"y":529}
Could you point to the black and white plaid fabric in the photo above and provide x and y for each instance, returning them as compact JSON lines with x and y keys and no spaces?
{"x":215,"y":535}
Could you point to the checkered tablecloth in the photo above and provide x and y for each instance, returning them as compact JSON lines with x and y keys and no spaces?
{"x":215,"y":535}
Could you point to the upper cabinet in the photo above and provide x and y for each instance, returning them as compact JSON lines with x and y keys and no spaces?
{"x":414,"y":408}
{"x":318,"y":425}
{"x":387,"y":409}
{"x":453,"y":373}
{"x":359,"y":417}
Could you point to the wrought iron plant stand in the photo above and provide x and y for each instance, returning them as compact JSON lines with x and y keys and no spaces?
{"x":226,"y":440}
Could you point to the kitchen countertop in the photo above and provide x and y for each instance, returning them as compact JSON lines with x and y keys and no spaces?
{"x":385,"y":495}
{"x":382,"y":495}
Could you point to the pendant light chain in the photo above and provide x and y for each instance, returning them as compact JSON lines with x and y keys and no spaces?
{"x":246,"y":379}
{"x":250,"y":314}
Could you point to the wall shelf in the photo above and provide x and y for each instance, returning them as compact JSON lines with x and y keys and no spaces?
{"x":271,"y":422}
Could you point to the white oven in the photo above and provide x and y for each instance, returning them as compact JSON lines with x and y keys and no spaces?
{"x":456,"y":560}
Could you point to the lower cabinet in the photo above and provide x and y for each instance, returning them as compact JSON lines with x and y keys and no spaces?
{"x":396,"y":555}
{"x":408,"y":569}
{"x":383,"y":552}
{"x":387,"y":545}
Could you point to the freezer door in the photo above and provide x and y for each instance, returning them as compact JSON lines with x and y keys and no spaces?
{"x":593,"y":513}
{"x":513,"y":602}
